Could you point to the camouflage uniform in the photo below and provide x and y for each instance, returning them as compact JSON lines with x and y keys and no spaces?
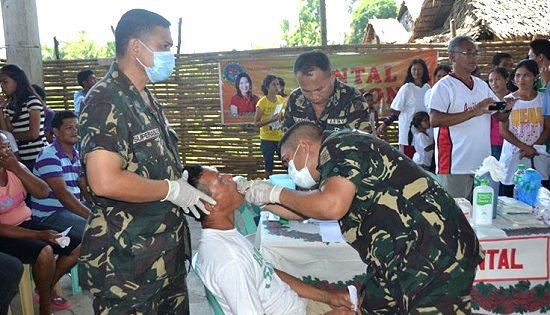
{"x":420,"y":250}
{"x":133,"y":254}
{"x":346,"y":108}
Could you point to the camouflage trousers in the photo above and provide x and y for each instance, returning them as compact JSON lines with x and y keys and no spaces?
{"x":171,"y":299}
{"x":452,"y":296}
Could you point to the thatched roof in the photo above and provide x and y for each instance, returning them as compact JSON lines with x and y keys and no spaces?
{"x":484,"y":19}
{"x":385,"y":31}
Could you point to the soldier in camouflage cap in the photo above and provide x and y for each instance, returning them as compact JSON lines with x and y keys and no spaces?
{"x":323,"y":99}
{"x":137,"y":239}
{"x":420,"y":250}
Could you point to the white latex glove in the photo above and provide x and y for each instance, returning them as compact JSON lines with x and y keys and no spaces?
{"x":262,"y":192}
{"x":182,"y":194}
{"x":242,"y":183}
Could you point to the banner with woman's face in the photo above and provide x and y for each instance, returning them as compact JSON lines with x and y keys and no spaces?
{"x":379,"y":73}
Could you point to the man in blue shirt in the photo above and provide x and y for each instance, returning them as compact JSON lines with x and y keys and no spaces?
{"x":86,"y":79}
{"x":59,"y":165}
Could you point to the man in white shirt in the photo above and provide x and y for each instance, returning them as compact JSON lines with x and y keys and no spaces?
{"x":460,"y":116}
{"x":235,"y":272}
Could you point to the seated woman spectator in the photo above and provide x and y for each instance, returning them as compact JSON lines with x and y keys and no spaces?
{"x":23,"y":113}
{"x":408,"y":101}
{"x":244,"y":102}
{"x":497,"y":81}
{"x":525,"y":128}
{"x":33,"y":247}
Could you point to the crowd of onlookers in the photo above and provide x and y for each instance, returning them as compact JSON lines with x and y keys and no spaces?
{"x":42,"y":192}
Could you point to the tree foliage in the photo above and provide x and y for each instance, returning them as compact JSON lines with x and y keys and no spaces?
{"x":368,"y":9}
{"x":308,"y":31}
{"x":81,"y":48}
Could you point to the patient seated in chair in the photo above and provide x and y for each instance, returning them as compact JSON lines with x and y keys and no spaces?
{"x":237,"y":274}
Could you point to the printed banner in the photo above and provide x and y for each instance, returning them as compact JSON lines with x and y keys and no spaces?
{"x":515,"y":258}
{"x":381,"y":74}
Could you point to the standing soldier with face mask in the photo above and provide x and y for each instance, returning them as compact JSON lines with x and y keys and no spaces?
{"x":421,"y":253}
{"x":137,"y":239}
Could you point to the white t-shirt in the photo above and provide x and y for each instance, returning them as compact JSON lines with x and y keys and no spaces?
{"x":409,"y":100}
{"x":420,"y":141}
{"x":240,"y":279}
{"x":460,"y":149}
{"x":526,"y":122}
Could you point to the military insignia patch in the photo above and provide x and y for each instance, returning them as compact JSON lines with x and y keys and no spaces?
{"x":324,"y":157}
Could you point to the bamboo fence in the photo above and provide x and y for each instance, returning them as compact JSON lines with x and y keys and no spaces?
{"x":191,"y":99}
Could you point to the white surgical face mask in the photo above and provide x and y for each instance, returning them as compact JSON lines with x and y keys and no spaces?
{"x":301,"y":177}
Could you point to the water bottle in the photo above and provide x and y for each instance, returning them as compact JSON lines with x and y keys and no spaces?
{"x":517,"y":176}
{"x":483,"y":204}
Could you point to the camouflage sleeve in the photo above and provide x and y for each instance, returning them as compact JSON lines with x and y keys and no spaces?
{"x":103,"y":127}
{"x":358,"y":117}
{"x":338,"y":158}
{"x":288,"y":120}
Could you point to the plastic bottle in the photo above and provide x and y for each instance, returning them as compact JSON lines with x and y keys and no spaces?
{"x":483,"y":204}
{"x":517,"y":176}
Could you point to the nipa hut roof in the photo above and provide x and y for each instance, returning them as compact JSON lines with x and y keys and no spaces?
{"x":488,"y":20}
{"x":386,"y":31}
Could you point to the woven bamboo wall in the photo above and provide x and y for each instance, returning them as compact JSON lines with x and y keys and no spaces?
{"x":192,"y":101}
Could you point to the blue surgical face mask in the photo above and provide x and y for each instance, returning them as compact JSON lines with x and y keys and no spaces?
{"x":163,"y":65}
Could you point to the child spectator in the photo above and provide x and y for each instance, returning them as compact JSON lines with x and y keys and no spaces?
{"x":421,"y":136}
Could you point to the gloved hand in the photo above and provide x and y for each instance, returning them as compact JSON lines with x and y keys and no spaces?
{"x":242,"y":183}
{"x":182,"y":194}
{"x":262,"y":192}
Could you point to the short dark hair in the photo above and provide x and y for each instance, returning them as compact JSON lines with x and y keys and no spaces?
{"x":58,"y":118}
{"x":443,"y":67}
{"x":528,"y":64}
{"x":83,"y":76}
{"x":136,"y":23}
{"x":497,"y":58}
{"x":39,"y":91}
{"x":267,"y":81}
{"x":500,"y":70}
{"x":425,"y":73}
{"x":540,"y":46}
{"x":303,"y":129}
{"x":306,"y":62}
{"x":282,"y":85}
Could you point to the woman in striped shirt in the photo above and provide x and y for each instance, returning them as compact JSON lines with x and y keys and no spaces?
{"x":23,"y":113}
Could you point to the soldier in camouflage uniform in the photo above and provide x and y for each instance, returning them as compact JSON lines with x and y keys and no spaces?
{"x":323,"y":99}
{"x":137,"y":239}
{"x":420,"y":250}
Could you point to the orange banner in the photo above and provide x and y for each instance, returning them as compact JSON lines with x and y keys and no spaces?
{"x":381,"y":74}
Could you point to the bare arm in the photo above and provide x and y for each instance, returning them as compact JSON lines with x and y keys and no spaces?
{"x":107,"y":179}
{"x":307,"y":291}
{"x":284,"y":212}
{"x":33,"y":184}
{"x":17,"y":232}
{"x":258,"y":118}
{"x":330,"y":202}
{"x":66,"y":198}
{"x":545,"y":132}
{"x":440,"y":119}
{"x":34,"y":127}
{"x":83,"y":185}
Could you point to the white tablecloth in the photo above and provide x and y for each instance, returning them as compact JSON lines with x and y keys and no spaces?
{"x":297,"y":249}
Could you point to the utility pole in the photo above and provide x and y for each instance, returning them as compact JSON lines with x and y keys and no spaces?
{"x":323,"y":17}
{"x":22,"y":40}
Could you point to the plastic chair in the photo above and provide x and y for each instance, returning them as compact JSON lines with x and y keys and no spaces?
{"x":214,"y":305}
{"x":25,"y":291}
{"x":74,"y":280}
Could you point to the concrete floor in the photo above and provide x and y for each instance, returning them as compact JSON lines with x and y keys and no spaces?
{"x":82,"y":303}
